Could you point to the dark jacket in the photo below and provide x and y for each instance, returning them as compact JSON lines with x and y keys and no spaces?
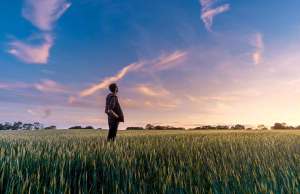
{"x":112,"y":103}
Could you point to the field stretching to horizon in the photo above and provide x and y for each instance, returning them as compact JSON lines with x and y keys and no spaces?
{"x":81,"y":161}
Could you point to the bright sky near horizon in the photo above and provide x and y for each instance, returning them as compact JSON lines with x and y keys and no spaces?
{"x":179,"y":62}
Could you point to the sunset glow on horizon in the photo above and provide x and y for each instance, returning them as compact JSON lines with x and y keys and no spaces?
{"x":181,"y":63}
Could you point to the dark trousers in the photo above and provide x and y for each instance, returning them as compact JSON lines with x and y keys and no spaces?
{"x":113,"y":128}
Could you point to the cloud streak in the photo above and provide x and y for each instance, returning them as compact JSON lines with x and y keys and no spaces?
{"x":258,"y":44}
{"x":151,"y":104}
{"x":208,"y":12}
{"x":11,"y":86}
{"x":45,"y":86}
{"x":169,"y":61}
{"x":162,"y":63}
{"x":50,"y":86}
{"x":30,"y":53}
{"x":150,"y":91}
{"x":40,"y":112}
{"x":44,"y":13}
{"x":105,"y":82}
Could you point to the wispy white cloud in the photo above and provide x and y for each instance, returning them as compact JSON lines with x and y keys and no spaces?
{"x":205,"y":99}
{"x":40,"y":112}
{"x":208,"y":12}
{"x":162,"y":63}
{"x":44,"y":13}
{"x":169,"y":61}
{"x":206,"y":3}
{"x":258,"y":43}
{"x":47,"y":85}
{"x":151,"y":91}
{"x":105,"y":82}
{"x":225,"y":97}
{"x":11,"y":86}
{"x":150,"y":104}
{"x":32,"y":53}
{"x":166,"y":104}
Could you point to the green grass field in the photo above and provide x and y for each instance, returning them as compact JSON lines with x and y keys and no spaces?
{"x":81,"y":161}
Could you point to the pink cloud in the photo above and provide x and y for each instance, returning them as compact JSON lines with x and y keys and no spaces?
{"x":208,"y":12}
{"x":169,"y":61}
{"x":150,"y":104}
{"x":206,"y":3}
{"x":44,"y":13}
{"x":40,"y":112}
{"x":166,"y":104}
{"x":49,"y":86}
{"x":93,"y":102}
{"x":258,"y":43}
{"x":30,"y":53}
{"x":220,"y":98}
{"x":18,"y":85}
{"x":151,"y":91}
{"x":45,"y":85}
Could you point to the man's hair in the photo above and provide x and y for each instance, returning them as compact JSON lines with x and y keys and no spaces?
{"x":112,"y":87}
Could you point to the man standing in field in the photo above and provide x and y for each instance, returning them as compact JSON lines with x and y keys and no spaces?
{"x":113,"y":111}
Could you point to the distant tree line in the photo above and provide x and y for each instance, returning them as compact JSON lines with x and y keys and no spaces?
{"x":284,"y":126}
{"x":276,"y":126}
{"x":39,"y":126}
{"x":80,"y":127}
{"x":34,"y":126}
{"x":205,"y":127}
{"x":21,"y":126}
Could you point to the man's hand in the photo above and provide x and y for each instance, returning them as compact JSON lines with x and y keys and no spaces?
{"x":115,"y":115}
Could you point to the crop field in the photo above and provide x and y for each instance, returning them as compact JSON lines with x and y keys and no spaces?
{"x":81,"y":161}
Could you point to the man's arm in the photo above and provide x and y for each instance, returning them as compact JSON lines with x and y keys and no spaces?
{"x":111,"y":106}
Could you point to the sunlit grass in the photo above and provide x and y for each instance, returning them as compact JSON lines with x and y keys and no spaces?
{"x":81,"y":161}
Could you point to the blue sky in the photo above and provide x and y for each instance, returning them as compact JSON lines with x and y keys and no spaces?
{"x":177,"y":62}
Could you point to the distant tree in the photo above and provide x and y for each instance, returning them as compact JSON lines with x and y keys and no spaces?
{"x":7,"y":126}
{"x":76,"y":127}
{"x":89,"y":127}
{"x":238,"y":127}
{"x":261,"y":127}
{"x":17,"y":126}
{"x":149,"y":127}
{"x":134,"y":128}
{"x":209,"y":127}
{"x":52,"y":127}
{"x":249,"y":128}
{"x":204,"y":127}
{"x":99,"y":128}
{"x":179,"y":128}
{"x":290,"y":127}
{"x":160,"y":127}
{"x":196,"y":128}
{"x":37,"y":126}
{"x":279,"y":126}
{"x":28,"y":126}
{"x":298,"y":127}
{"x":222,"y":127}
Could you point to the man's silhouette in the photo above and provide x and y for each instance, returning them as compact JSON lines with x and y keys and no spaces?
{"x":113,"y":111}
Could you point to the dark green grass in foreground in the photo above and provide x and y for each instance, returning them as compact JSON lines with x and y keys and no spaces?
{"x":80,"y":161}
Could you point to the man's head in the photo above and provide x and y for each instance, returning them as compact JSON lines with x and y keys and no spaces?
{"x":113,"y":88}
